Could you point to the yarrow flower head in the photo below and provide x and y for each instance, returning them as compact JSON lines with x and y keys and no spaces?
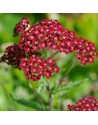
{"x":85,"y":50}
{"x":87,"y":103}
{"x":47,"y":33}
{"x":50,"y":34}
{"x":34,"y":67}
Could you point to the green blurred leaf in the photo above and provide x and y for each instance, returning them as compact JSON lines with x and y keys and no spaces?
{"x":69,"y":85}
{"x":40,"y":87}
{"x":29,"y":103}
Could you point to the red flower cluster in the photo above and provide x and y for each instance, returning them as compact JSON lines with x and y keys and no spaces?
{"x":87,"y":103}
{"x":85,"y":50}
{"x":12,"y":55}
{"x":46,"y":34}
{"x":34,"y":67}
{"x":49,"y":33}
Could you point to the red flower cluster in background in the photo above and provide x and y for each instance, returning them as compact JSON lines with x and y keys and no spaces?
{"x":87,"y":103}
{"x":46,"y":34}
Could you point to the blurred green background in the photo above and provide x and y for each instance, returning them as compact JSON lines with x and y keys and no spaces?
{"x":15,"y":93}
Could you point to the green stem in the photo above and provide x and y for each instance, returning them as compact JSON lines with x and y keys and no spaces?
{"x":50,"y":101}
{"x":38,"y":97}
{"x":52,"y":56}
{"x":68,"y":70}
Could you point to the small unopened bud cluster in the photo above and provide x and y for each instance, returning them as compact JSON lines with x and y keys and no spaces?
{"x":46,"y":34}
{"x":87,"y":103}
{"x":21,"y":26}
{"x":12,"y":55}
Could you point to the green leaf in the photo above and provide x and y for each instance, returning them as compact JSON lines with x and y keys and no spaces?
{"x":33,"y":84}
{"x":40,"y":87}
{"x":70,"y":85}
{"x":29,"y":103}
